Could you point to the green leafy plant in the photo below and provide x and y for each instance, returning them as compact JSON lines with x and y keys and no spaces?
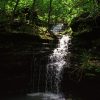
{"x":84,"y":67}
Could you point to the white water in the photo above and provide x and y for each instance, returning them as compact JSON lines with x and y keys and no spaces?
{"x":46,"y":96}
{"x":56,"y":64}
{"x":58,"y":28}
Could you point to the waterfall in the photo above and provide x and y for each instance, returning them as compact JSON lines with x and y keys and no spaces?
{"x":56,"y":64}
{"x":57,"y":28}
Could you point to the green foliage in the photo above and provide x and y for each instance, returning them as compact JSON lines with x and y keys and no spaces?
{"x":87,"y":66}
{"x":84,"y":59}
{"x":84,"y":65}
{"x":62,"y":10}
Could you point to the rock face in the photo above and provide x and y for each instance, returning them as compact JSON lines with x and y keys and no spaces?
{"x":19,"y":55}
{"x":86,"y":24}
{"x":86,"y":41}
{"x":15,"y":72}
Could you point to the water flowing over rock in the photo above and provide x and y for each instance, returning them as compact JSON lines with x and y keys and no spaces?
{"x":56,"y":63}
{"x":57,"y":28}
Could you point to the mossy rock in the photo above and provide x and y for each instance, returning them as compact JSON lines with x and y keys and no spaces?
{"x":86,"y":23}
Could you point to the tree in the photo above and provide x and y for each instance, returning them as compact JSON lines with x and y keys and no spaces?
{"x":49,"y":11}
{"x":33,"y":12}
{"x":17,"y":2}
{"x":33,"y":5}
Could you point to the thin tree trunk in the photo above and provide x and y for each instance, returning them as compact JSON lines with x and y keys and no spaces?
{"x":32,"y":11}
{"x":33,"y":5}
{"x":49,"y":12}
{"x":98,"y":2}
{"x":13,"y":14}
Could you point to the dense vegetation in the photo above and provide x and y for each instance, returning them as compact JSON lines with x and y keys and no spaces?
{"x":43,"y":12}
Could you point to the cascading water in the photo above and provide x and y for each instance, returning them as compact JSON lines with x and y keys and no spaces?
{"x":54,"y":68}
{"x":56,"y":64}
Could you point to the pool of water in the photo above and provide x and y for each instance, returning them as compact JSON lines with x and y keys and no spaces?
{"x":36,"y":96}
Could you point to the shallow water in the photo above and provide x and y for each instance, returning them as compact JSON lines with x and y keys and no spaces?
{"x":36,"y":96}
{"x":46,"y":96}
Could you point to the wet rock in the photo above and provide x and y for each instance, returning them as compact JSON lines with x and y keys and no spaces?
{"x":19,"y":53}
